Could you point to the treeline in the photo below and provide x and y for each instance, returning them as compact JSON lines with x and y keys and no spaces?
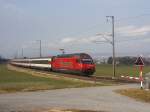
{"x":127,"y":60}
{"x":3,"y":60}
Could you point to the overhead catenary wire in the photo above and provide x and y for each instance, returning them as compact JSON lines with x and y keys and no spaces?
{"x":80,"y":33}
{"x":123,"y":40}
{"x":131,"y":17}
{"x":116,"y":21}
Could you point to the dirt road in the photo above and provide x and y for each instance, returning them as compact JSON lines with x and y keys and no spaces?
{"x":92,"y":98}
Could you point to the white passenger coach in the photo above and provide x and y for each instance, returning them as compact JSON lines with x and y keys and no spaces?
{"x":33,"y":62}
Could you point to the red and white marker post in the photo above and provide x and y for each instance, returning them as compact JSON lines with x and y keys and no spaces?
{"x":141,"y":76}
{"x":139,"y":62}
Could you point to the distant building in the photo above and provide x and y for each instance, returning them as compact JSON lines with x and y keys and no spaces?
{"x":101,"y":60}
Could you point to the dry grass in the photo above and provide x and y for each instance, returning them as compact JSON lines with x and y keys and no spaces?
{"x":69,"y":110}
{"x":137,"y":94}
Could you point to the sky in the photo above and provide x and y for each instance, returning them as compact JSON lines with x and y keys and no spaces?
{"x":73,"y":25}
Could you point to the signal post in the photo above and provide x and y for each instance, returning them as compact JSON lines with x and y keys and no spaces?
{"x":139,"y":62}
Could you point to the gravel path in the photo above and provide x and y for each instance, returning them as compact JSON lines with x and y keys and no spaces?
{"x":92,"y":98}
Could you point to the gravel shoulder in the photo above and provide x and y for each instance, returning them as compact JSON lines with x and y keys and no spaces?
{"x":89,"y":98}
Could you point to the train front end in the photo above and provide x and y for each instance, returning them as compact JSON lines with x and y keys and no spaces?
{"x":88,"y":66}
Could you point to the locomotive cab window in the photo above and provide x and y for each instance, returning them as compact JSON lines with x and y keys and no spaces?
{"x":87,"y":61}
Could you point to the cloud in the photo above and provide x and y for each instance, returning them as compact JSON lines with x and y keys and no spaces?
{"x":82,"y":40}
{"x":132,"y":31}
{"x":9,"y":5}
{"x":68,"y":40}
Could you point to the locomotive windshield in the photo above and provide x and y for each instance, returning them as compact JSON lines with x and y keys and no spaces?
{"x":86,"y":59}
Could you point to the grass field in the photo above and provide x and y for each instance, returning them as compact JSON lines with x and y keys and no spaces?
{"x":58,"y":110}
{"x":137,"y":94}
{"x":11,"y":81}
{"x":106,"y":70}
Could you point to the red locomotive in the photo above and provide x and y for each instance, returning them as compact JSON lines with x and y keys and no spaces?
{"x":75,"y":63}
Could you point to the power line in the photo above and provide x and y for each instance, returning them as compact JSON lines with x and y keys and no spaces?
{"x":132,"y":17}
{"x":40,"y":48}
{"x":125,"y":40}
{"x":116,"y":21}
{"x":131,"y":40}
{"x":79,"y":33}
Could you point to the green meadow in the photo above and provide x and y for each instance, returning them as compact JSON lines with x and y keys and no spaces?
{"x":107,"y":70}
{"x":12,"y":81}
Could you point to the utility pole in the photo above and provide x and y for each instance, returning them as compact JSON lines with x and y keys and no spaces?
{"x":22,"y":53}
{"x":113,"y":44}
{"x":16,"y":55}
{"x":40,"y":48}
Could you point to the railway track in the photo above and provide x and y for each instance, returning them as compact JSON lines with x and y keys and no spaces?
{"x":96,"y":78}
{"x":86,"y":78}
{"x":101,"y":78}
